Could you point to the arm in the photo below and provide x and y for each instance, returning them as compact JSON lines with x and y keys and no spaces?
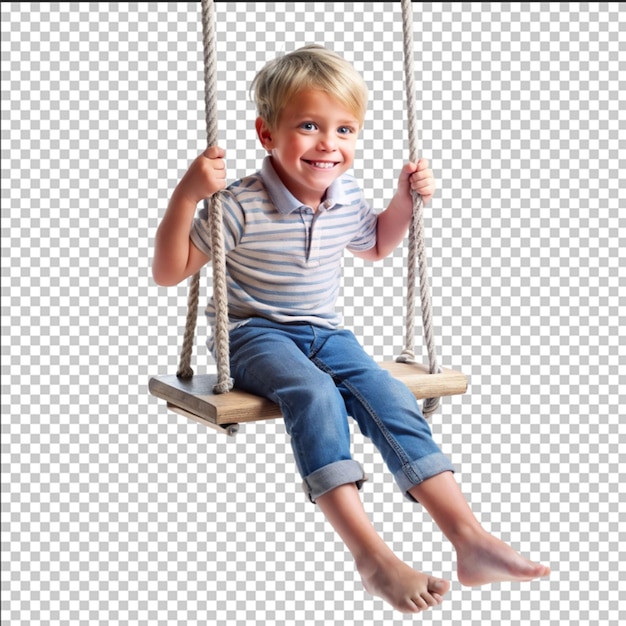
{"x":175,"y":256}
{"x":395,"y":220}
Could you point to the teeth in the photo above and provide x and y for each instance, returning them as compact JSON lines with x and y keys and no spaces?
{"x":323,"y":164}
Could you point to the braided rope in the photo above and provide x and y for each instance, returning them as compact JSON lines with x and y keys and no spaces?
{"x":215,"y":210}
{"x":184,"y":364}
{"x":417,"y":247}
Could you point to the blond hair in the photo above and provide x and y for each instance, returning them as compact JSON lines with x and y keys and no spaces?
{"x":309,"y":67}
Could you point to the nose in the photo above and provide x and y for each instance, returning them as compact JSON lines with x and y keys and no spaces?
{"x":327,"y":143}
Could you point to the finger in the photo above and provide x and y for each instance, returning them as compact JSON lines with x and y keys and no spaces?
{"x":407,"y":173}
{"x":420,"y":178}
{"x":214,"y":152}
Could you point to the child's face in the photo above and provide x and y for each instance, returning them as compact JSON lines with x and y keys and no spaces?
{"x":312,"y":145}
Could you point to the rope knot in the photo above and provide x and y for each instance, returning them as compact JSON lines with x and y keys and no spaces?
{"x":406,"y":356}
{"x":223,"y":386}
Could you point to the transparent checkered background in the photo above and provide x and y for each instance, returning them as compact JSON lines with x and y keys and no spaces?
{"x":116,"y":511}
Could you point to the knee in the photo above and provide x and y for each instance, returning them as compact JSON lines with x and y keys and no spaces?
{"x":317,"y":392}
{"x":316,"y":407}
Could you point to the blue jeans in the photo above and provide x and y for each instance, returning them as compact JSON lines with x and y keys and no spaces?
{"x":319,"y":377}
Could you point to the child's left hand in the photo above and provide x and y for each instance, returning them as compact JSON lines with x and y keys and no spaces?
{"x":418,"y":177}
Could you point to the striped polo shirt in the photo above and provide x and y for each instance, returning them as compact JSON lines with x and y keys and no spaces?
{"x":283,"y":260}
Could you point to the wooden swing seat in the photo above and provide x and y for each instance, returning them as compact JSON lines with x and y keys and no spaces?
{"x":194,"y":398}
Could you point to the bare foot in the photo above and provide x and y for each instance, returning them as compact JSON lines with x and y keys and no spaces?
{"x":485,"y":559}
{"x":407,"y":590}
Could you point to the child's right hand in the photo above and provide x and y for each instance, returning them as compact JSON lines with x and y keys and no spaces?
{"x":205,"y":176}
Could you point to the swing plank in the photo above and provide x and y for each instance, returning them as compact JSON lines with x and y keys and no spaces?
{"x":194,"y":397}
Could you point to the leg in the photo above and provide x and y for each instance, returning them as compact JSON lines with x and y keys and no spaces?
{"x":482,"y":558}
{"x":392,"y":419}
{"x":272,"y":360}
{"x":385,"y":410}
{"x":382,"y":573}
{"x":279,"y":365}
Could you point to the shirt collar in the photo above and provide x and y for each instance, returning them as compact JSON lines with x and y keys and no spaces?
{"x":285,"y":202}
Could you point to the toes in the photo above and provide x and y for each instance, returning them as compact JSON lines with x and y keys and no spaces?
{"x":436,"y":590}
{"x":433,"y":599}
{"x":420,"y":603}
{"x":438,"y":586}
{"x":426,"y":601}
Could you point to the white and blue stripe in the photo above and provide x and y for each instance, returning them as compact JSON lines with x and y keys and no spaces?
{"x":283,"y":260}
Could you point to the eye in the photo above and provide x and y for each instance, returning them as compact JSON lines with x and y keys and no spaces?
{"x":308,"y":126}
{"x":345,"y":130}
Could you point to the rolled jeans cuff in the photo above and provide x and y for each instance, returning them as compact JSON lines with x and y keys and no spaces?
{"x":418,"y":471}
{"x":329,"y":477}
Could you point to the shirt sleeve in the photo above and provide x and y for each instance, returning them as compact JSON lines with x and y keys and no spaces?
{"x":365,"y":237}
{"x":232,"y":223}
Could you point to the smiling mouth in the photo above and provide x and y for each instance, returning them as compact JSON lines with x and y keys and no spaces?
{"x":322,"y":165}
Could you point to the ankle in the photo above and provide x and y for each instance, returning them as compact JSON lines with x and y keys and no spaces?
{"x":461,"y":533}
{"x":370,"y":560}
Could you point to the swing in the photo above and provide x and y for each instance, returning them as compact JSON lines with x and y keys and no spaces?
{"x":211,"y":399}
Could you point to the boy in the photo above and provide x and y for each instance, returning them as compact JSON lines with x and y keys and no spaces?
{"x":286,"y":228}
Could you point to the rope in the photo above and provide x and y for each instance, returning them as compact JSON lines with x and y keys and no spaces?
{"x":417,"y":248}
{"x":184,"y":364}
{"x":215,"y":210}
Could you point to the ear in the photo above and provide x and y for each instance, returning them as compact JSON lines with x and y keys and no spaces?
{"x":264,"y":133}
